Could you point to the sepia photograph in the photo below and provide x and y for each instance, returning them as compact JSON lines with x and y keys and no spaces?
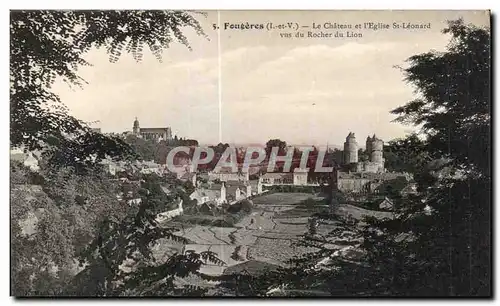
{"x":250,"y":153}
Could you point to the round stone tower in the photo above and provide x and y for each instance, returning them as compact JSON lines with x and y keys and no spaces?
{"x":377,"y":147}
{"x":136,"y":129}
{"x":350,"y":149}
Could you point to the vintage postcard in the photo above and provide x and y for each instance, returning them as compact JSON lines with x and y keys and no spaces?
{"x":160,"y":153}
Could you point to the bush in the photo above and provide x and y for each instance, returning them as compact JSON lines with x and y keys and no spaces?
{"x":224,"y":222}
{"x":291,"y":188}
{"x":309,"y":203}
{"x":245,"y":206}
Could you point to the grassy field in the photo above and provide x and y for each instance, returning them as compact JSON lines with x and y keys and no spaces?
{"x":281,"y":198}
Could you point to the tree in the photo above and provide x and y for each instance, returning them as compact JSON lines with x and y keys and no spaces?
{"x":50,"y":226}
{"x":449,"y":250}
{"x":337,"y":156}
{"x":144,"y":148}
{"x":363,"y":155}
{"x":453,"y":109}
{"x":454,"y":98}
{"x":129,"y":242}
{"x":281,"y":145}
{"x":49,"y":45}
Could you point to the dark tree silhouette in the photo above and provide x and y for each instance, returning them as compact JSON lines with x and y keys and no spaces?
{"x":276,"y":143}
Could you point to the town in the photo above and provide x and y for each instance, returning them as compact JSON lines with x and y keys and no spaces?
{"x":252,"y":165}
{"x":240,"y":214}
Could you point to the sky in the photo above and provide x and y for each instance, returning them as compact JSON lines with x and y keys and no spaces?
{"x":249,"y":86}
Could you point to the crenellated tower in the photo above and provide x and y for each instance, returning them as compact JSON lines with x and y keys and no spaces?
{"x":375,"y":149}
{"x":369,"y":146}
{"x":350,"y":149}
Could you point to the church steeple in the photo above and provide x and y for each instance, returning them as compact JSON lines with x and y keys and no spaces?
{"x":136,"y":129}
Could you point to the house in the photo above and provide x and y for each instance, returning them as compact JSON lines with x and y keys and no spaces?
{"x":164,"y":216}
{"x":300,"y":176}
{"x":385,"y":204}
{"x":366,"y":182}
{"x":148,"y":167}
{"x":227,"y":174}
{"x":259,"y":187}
{"x":200,"y":195}
{"x":224,"y":192}
{"x":411,"y":188}
{"x":109,"y":166}
{"x":166,"y":190}
{"x":237,"y":190}
{"x":216,"y":193}
{"x":272,"y":178}
{"x":135,"y":201}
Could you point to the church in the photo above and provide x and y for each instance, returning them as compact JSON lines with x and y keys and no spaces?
{"x":156,"y":134}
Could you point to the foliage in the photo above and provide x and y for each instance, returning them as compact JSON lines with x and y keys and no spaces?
{"x":454,"y":111}
{"x":363,"y":155}
{"x":145,"y":148}
{"x":41,"y":241}
{"x":453,"y":105}
{"x":293,"y":188}
{"x":407,"y":154}
{"x":129,"y":242}
{"x":46,"y":46}
{"x":67,"y":211}
{"x":280,"y":144}
{"x":62,"y":210}
{"x":245,"y":206}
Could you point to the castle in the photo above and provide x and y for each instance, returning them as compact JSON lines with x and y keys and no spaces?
{"x":374,"y":150}
{"x":365,"y":177}
{"x":157,"y":134}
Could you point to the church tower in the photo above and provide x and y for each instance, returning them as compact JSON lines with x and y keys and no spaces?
{"x":223,"y":193}
{"x":136,"y":129}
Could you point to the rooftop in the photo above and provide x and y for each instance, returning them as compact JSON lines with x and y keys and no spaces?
{"x":370,"y":175}
{"x":276,"y":175}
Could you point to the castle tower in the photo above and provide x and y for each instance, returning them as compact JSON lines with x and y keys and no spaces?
{"x":376,"y":155}
{"x":136,"y":129}
{"x":350,"y":149}
{"x":369,"y":146}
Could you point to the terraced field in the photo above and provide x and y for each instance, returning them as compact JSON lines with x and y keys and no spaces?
{"x":268,"y":234}
{"x":260,"y":235}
